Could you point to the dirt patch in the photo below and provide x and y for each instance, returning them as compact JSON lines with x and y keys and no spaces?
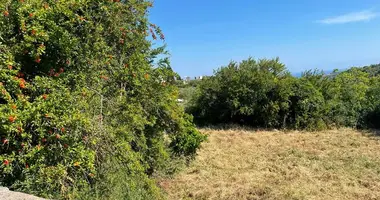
{"x":6,"y":194}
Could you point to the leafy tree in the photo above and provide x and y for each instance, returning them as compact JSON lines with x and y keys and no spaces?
{"x":349,"y":91}
{"x":83,"y":97}
{"x":261,"y":93}
{"x":370,"y":115}
{"x":244,"y":93}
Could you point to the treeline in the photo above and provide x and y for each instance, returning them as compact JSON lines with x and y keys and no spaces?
{"x":372,"y":70}
{"x":262,"y":93}
{"x":87,"y":110}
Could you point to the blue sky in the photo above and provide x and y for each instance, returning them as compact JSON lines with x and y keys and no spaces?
{"x":203,"y":35}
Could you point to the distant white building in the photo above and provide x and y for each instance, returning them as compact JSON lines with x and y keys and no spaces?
{"x":186,"y":79}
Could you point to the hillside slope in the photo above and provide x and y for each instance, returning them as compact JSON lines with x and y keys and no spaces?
{"x":236,"y":164}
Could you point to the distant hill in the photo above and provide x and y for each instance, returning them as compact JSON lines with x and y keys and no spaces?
{"x":372,"y":70}
{"x":299,"y":74}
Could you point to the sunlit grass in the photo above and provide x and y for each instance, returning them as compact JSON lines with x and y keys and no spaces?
{"x":248,"y":164}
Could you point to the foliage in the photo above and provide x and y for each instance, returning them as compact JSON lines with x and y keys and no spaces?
{"x":262,"y":93}
{"x":188,"y":140}
{"x":186,"y":92}
{"x":87,"y":108}
{"x":372,"y":70}
{"x":370,"y":115}
{"x":239,"y":93}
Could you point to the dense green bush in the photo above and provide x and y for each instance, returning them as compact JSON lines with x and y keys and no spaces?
{"x":87,"y":110}
{"x":370,"y":116}
{"x":262,"y":93}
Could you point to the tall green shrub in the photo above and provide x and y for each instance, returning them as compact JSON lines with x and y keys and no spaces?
{"x":85,"y":97}
{"x":261,"y":93}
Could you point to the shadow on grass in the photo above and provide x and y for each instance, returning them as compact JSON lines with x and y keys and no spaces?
{"x":223,"y":127}
{"x":371,"y":133}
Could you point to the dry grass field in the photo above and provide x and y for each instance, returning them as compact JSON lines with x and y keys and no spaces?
{"x":243,"y":164}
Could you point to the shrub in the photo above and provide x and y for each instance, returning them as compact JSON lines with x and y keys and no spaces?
{"x":263,"y":94}
{"x":42,"y":138}
{"x":370,"y":115}
{"x":86,"y":105}
{"x":188,"y":140}
{"x":252,"y":92}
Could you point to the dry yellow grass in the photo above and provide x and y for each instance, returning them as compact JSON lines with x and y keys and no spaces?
{"x":238,"y":164}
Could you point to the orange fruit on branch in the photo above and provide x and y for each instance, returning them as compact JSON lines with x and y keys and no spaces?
{"x":12,"y":119}
{"x":6,"y":162}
